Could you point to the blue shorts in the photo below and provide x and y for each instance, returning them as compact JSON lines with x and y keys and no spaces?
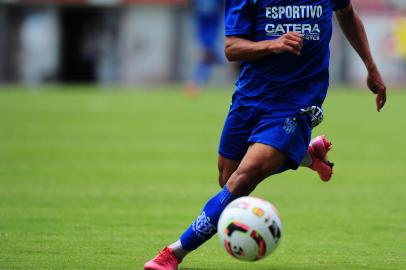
{"x":268,"y":121}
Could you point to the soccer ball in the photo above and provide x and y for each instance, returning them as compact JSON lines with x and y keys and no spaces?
{"x":249,"y":228}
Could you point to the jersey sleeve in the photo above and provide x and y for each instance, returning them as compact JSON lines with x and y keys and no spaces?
{"x":238,"y":17}
{"x":340,"y":4}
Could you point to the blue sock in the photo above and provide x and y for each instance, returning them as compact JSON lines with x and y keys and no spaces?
{"x":205,"y":226}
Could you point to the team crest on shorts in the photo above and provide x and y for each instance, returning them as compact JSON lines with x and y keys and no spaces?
{"x":290,"y":125}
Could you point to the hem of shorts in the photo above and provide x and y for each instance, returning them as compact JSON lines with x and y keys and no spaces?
{"x":292,"y":163}
{"x":230,"y":157}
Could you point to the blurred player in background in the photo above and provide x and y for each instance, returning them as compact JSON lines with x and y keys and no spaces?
{"x":284,"y":49}
{"x":208,"y":18}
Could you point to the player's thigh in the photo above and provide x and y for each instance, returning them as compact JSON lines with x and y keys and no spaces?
{"x":260,"y":162}
{"x":237,"y":130}
{"x":226,"y":168}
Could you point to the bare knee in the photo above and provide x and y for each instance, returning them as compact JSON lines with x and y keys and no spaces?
{"x":245,"y":179}
{"x":259,"y":163}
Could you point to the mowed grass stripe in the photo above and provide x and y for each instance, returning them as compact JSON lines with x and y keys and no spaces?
{"x":103,"y":179}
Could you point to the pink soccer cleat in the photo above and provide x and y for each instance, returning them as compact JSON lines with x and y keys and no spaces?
{"x":166,"y":260}
{"x":318,"y":150}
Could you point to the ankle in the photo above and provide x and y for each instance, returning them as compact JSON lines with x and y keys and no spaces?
{"x":178,"y":250}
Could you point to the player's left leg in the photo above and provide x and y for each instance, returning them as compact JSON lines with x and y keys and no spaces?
{"x":317,"y":159}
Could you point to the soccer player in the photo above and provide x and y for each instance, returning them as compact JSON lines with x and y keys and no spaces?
{"x":208,"y":16}
{"x":284,"y":49}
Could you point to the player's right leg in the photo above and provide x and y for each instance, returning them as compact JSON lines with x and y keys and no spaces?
{"x":234,"y":144}
{"x":232,"y":149}
{"x":260,"y":162}
{"x":226,"y":168}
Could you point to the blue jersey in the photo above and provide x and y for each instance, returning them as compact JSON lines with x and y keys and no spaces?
{"x":285,"y":77}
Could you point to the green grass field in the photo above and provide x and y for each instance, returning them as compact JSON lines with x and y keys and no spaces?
{"x":103,"y":179}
